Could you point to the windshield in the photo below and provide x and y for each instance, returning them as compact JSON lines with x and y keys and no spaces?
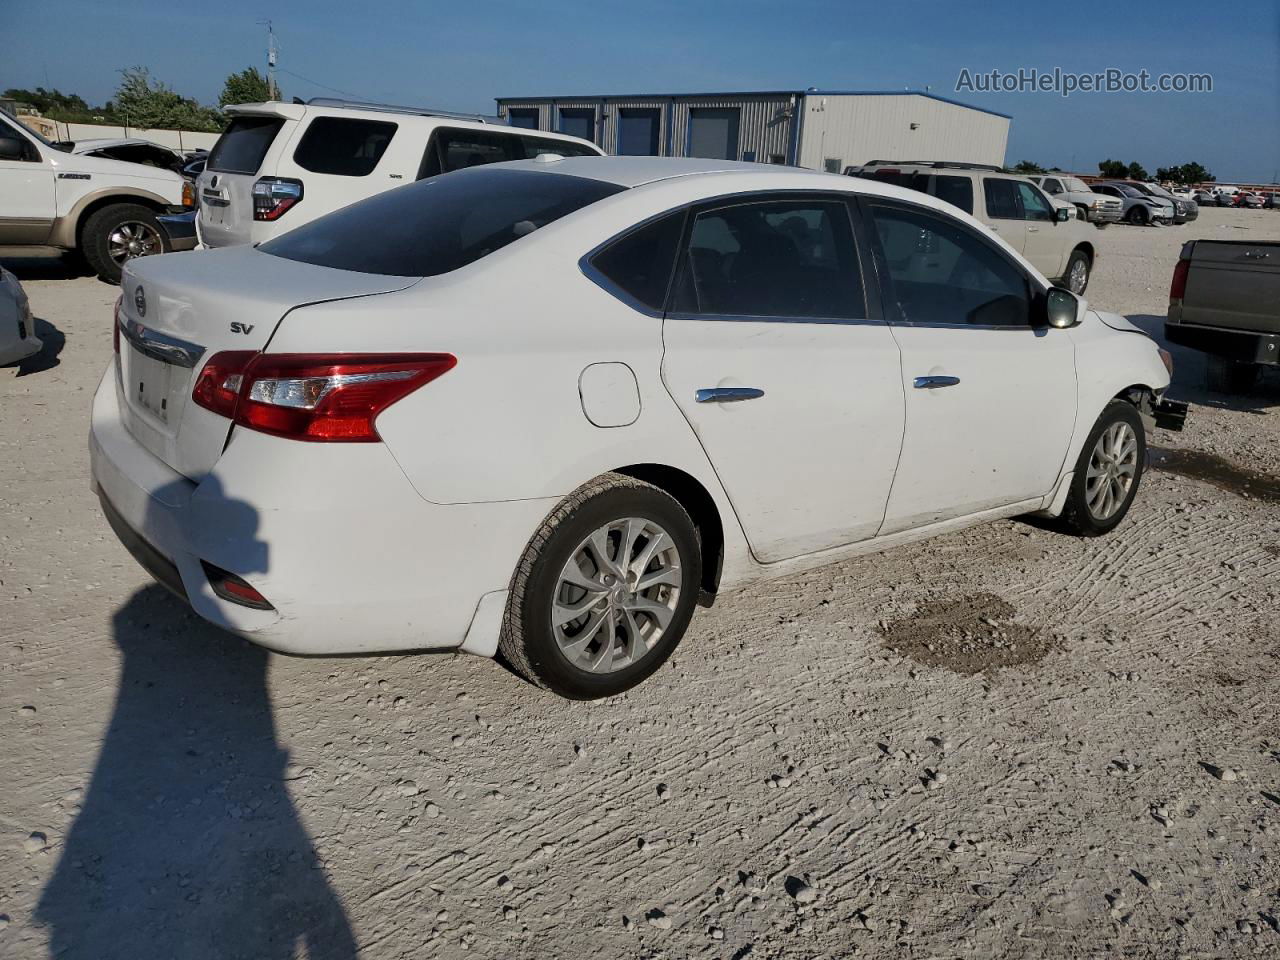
{"x":1128,"y":191}
{"x":1159,"y":191}
{"x":1074,"y":185}
{"x":34,"y":133}
{"x":439,"y":224}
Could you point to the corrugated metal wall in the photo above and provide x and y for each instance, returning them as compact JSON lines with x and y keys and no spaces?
{"x":855,"y":129}
{"x":851,"y":128}
{"x":764,"y":123}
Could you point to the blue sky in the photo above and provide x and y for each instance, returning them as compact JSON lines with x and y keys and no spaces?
{"x":462,"y":55}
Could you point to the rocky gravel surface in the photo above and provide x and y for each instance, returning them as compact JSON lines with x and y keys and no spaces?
{"x":1003,"y":742}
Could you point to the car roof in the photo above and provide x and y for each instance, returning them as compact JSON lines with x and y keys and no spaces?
{"x":636,"y":171}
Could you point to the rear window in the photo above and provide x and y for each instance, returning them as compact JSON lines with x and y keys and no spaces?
{"x":343,"y":146}
{"x":563,"y":148}
{"x":439,"y":224}
{"x":957,"y":191}
{"x":243,"y":144}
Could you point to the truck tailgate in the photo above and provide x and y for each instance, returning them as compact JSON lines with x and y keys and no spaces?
{"x":1234,"y":285}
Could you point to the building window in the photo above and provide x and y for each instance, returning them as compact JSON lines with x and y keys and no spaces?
{"x":832,"y":165}
{"x":578,"y":122}
{"x":777,"y":159}
{"x":713,"y":133}
{"x":525,"y":117}
{"x":637,"y":132}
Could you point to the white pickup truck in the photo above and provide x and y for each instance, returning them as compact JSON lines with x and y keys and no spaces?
{"x":52,"y":201}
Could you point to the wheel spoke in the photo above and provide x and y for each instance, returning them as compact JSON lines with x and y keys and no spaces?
{"x":656,"y":545}
{"x":600,"y":549}
{"x":604,"y":656}
{"x":669,"y":575}
{"x":635,"y":645}
{"x":579,"y":642}
{"x":660,"y":612}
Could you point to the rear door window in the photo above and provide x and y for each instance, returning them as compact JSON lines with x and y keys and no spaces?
{"x":243,"y":144}
{"x":957,"y":191}
{"x":1002,"y":199}
{"x":343,"y":146}
{"x":456,"y":149}
{"x":438,"y":225}
{"x":791,"y":259}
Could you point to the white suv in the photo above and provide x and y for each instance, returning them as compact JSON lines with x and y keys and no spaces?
{"x":53,"y":201}
{"x":280,"y":165}
{"x":1061,"y":247}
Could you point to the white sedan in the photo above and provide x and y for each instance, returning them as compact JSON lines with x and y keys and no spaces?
{"x":548,"y":407}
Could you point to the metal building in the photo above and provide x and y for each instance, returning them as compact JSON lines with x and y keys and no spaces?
{"x":819,"y":129}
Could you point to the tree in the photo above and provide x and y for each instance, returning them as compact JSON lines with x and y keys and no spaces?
{"x":1137,"y":172}
{"x":1186,"y":173}
{"x":54,"y":104}
{"x":143,"y":102}
{"x":247,"y":86}
{"x":1028,"y":167}
{"x":1113,"y":169}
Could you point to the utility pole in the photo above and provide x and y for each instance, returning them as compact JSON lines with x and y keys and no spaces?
{"x":273,"y":88}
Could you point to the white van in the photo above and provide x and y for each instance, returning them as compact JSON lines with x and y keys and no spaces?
{"x":279,"y":165}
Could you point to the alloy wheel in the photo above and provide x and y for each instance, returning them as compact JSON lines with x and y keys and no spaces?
{"x":616,"y":595}
{"x":1078,"y":278}
{"x":133,"y":239}
{"x":1112,"y":467}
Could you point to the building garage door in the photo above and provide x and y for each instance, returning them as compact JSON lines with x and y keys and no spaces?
{"x":526,"y":117}
{"x":713,"y":133}
{"x":637,"y":132}
{"x":578,"y":122}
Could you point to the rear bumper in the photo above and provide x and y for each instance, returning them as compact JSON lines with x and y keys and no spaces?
{"x":351,"y":558}
{"x":180,"y":228}
{"x":1238,"y":345}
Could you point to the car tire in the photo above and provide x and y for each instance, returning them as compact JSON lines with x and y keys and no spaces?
{"x":1082,"y":212}
{"x":1138,"y":216}
{"x":117,"y":223}
{"x":1229,"y":376}
{"x":559,"y":656}
{"x":1078,"y":260}
{"x":1092,"y":510}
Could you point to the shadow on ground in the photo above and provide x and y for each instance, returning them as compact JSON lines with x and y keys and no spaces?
{"x":66,"y":267}
{"x":1189,"y":373}
{"x":187,"y":843}
{"x":52,"y":340}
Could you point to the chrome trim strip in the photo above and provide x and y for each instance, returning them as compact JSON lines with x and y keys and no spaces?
{"x":160,"y":346}
{"x":727,"y":394}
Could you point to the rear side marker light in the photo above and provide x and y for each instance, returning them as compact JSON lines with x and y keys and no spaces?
{"x":317,"y":397}
{"x":273,"y":197}
{"x":233,"y":589}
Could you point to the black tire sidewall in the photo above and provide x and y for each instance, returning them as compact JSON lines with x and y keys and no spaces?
{"x":1078,"y":505}
{"x":541,"y":649}
{"x":97,"y":230}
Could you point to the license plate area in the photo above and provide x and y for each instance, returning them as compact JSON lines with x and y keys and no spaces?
{"x":149,"y":382}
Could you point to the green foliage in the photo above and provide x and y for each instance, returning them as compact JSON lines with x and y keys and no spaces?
{"x":1137,"y":172}
{"x":247,"y":86}
{"x":1186,"y":173}
{"x":55,"y":104}
{"x":1113,"y":169}
{"x":1028,"y":167}
{"x":143,"y":102}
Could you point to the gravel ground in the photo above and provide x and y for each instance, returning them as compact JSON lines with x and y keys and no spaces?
{"x":1000,"y":743}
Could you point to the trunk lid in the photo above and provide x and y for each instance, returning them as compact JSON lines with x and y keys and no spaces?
{"x":179,"y":310}
{"x":1234,"y":284}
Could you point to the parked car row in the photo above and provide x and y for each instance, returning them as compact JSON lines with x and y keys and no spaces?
{"x":1049,"y":236}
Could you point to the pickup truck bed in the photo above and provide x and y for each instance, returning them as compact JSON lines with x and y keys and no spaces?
{"x":1225,"y":301}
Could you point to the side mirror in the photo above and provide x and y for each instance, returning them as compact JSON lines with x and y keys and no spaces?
{"x":1063,"y":308}
{"x":11,"y":148}
{"x":1062,"y":215}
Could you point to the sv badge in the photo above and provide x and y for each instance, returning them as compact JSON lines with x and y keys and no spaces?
{"x":241,"y":327}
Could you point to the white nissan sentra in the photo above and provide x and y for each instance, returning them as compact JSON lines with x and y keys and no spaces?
{"x":548,"y":407}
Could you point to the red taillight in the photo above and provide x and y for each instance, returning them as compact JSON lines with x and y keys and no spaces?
{"x":303,"y":396}
{"x":115,"y":324}
{"x":218,"y":386}
{"x":230,"y":587}
{"x":273,"y":197}
{"x":1178,"y":288}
